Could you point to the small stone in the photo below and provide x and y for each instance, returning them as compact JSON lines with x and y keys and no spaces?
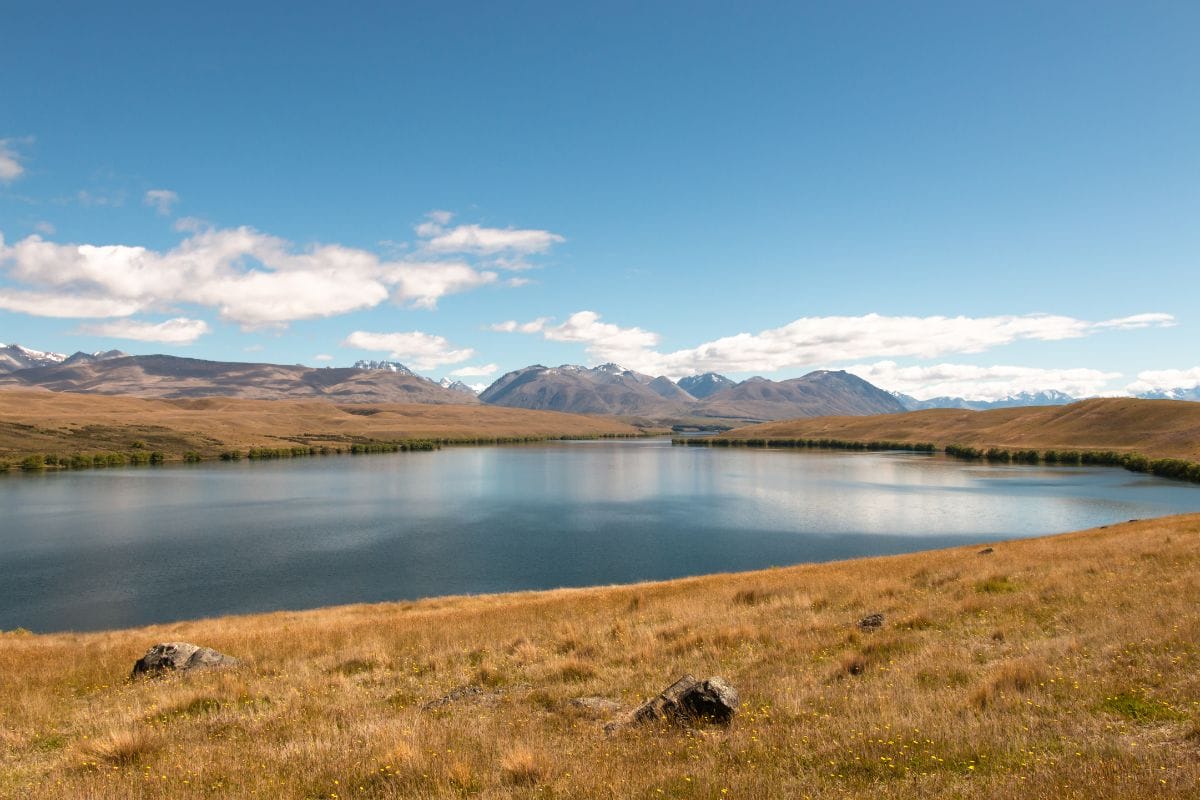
{"x":987,"y":551}
{"x":180,"y":657}
{"x":871,"y":622}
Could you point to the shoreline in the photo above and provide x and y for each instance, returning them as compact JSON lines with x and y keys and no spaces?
{"x":548,"y":593}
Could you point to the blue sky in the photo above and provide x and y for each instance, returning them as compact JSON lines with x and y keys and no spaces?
{"x":954,"y":197}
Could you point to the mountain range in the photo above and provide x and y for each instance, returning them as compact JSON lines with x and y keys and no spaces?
{"x":607,"y":389}
{"x":1051,"y":397}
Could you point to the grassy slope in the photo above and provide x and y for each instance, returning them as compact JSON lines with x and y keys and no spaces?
{"x":1059,"y":667}
{"x":62,"y":423}
{"x":1155,"y":428}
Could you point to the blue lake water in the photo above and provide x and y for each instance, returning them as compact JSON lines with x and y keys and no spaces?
{"x":123,"y":547}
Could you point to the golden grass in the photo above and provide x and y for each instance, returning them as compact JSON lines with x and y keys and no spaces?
{"x":1154,"y":428}
{"x":33,"y":421}
{"x":1081,"y":679}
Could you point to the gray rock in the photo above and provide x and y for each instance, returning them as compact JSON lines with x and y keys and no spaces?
{"x":687,"y":701}
{"x":463,"y":694}
{"x":180,"y":657}
{"x":871,"y":622}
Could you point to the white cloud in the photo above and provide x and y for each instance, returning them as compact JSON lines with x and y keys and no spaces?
{"x":249,"y":277}
{"x":45,"y":227}
{"x":514,"y":243}
{"x":512,"y":326}
{"x":482,"y":369}
{"x":173,"y":331}
{"x":11,"y":167}
{"x":811,"y":341}
{"x":981,"y":383}
{"x":161,"y":199}
{"x":420,"y":350}
{"x":1157,"y":380}
{"x":323,"y":357}
{"x":48,"y":304}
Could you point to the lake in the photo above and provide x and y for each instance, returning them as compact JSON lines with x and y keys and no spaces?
{"x":123,"y":547}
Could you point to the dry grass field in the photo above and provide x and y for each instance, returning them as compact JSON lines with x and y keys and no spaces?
{"x":1154,"y":428}
{"x":35,"y":421}
{"x":1062,"y":667}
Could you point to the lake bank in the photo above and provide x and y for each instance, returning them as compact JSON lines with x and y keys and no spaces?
{"x":994,"y":674}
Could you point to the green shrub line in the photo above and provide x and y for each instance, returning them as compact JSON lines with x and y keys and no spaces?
{"x":1175,"y":468}
{"x":825,"y":444}
{"x":40,"y":462}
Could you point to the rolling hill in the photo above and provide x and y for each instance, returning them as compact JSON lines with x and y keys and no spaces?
{"x":33,"y":421}
{"x":1155,"y":428}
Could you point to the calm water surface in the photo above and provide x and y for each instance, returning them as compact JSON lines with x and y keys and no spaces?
{"x":122,"y":547}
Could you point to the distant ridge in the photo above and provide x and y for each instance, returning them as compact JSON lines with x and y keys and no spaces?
{"x":174,"y":377}
{"x":606,"y":389}
{"x":610,"y":389}
{"x":1050,"y":397}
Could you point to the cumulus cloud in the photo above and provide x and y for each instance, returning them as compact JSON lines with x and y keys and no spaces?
{"x":420,"y":350}
{"x":323,"y":357}
{"x":1157,"y":380}
{"x":251,"y":278}
{"x":482,"y":369}
{"x":179,"y":330}
{"x":11,"y":167}
{"x":161,"y":199}
{"x":45,"y":227}
{"x":509,"y":245}
{"x":981,"y":383}
{"x":811,"y":341}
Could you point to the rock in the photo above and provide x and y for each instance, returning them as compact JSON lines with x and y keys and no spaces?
{"x":871,"y":622}
{"x":987,"y":551}
{"x":180,"y":657}
{"x":687,"y":701}
{"x":471,"y":693}
{"x":597,"y":705}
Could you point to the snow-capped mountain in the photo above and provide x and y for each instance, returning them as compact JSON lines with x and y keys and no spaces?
{"x":1050,"y":397}
{"x":457,"y":386}
{"x":14,"y":357}
{"x":1190,"y":393}
{"x":387,"y":366}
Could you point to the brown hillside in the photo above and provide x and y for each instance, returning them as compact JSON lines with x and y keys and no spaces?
{"x":1155,"y":428}
{"x":33,"y":421}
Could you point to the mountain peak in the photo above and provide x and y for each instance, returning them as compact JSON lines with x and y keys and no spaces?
{"x":387,"y":366}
